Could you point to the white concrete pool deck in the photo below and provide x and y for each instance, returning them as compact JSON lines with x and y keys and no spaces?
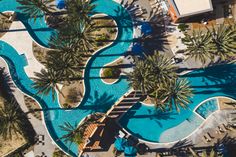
{"x":209,"y":125}
{"x":19,"y":38}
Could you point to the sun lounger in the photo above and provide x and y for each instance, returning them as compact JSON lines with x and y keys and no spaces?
{"x":209,"y":136}
{"x":205,"y":139}
{"x":221,"y":129}
{"x":121,"y":134}
{"x":225,"y":127}
{"x":229,"y":127}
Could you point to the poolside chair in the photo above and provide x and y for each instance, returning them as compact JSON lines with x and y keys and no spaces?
{"x":121,"y":134}
{"x":209,"y":136}
{"x":223,"y":126}
{"x":229,"y":127}
{"x":205,"y":139}
{"x":221,"y":129}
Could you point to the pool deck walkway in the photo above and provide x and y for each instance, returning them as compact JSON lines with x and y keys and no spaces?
{"x":45,"y":146}
{"x":19,"y":38}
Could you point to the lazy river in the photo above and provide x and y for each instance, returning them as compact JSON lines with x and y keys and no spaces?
{"x":99,"y":97}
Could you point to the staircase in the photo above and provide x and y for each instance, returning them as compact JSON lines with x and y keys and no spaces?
{"x":125,"y":103}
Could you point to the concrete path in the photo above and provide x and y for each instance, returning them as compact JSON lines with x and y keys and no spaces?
{"x":19,"y":38}
{"x":39,"y":127}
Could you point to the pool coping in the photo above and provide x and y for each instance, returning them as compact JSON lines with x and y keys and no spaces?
{"x":204,"y":101}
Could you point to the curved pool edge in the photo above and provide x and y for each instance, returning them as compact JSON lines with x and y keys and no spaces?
{"x":47,"y":124}
{"x":204,"y":121}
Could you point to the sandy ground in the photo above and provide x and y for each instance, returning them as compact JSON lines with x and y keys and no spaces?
{"x":78,"y":85}
{"x":5,"y":25}
{"x":33,"y":105}
{"x":7,"y":146}
{"x":226,"y":104}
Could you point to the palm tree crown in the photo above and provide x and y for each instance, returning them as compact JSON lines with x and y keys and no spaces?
{"x":73,"y":133}
{"x":78,"y":10}
{"x":198,"y":45}
{"x":46,"y":82}
{"x":151,"y":72}
{"x":10,"y":119}
{"x":175,"y":94}
{"x":224,"y":43}
{"x":35,"y":8}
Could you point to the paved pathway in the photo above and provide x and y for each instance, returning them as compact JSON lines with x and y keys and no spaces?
{"x":38,"y":126}
{"x":19,"y":38}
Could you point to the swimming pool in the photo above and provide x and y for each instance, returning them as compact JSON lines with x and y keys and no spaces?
{"x":99,"y":97}
{"x":143,"y":121}
{"x":207,"y":108}
{"x":149,"y":124}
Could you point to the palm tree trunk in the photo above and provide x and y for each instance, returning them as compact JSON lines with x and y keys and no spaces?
{"x":60,"y":91}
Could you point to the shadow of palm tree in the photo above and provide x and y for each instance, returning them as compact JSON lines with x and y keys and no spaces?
{"x":153,"y":42}
{"x":220,"y":78}
{"x":99,"y":102}
{"x":154,"y":115}
{"x":229,"y":143}
{"x":6,"y":84}
{"x":182,"y":144}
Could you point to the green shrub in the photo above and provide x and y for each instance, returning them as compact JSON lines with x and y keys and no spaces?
{"x":102,"y":37}
{"x":66,"y":105}
{"x":59,"y":153}
{"x":111,"y":30}
{"x":182,"y":27}
{"x":111,"y":72}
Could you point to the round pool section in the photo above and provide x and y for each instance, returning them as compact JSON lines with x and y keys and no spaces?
{"x":207,"y":108}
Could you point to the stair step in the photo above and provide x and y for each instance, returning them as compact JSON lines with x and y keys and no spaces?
{"x":134,"y":95}
{"x":123,"y":106}
{"x":120,"y":109}
{"x":131,"y":98}
{"x":129,"y":101}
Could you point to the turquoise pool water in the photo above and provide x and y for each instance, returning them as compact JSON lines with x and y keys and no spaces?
{"x":99,"y":97}
{"x":207,"y":108}
{"x":155,"y":126}
{"x":143,"y":121}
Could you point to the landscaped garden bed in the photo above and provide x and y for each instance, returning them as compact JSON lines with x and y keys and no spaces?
{"x":5,"y":23}
{"x":111,"y":72}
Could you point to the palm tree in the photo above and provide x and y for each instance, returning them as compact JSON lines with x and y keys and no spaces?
{"x":204,"y":154}
{"x":73,"y":133}
{"x":175,"y":94}
{"x":161,"y":68}
{"x":10,"y":119}
{"x":223,"y":39}
{"x":198,"y":46}
{"x":139,"y":79}
{"x":35,"y":8}
{"x":152,"y":72}
{"x":64,"y":64}
{"x":46,"y":82}
{"x":78,"y":10}
{"x":81,"y":33}
{"x":66,"y":46}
